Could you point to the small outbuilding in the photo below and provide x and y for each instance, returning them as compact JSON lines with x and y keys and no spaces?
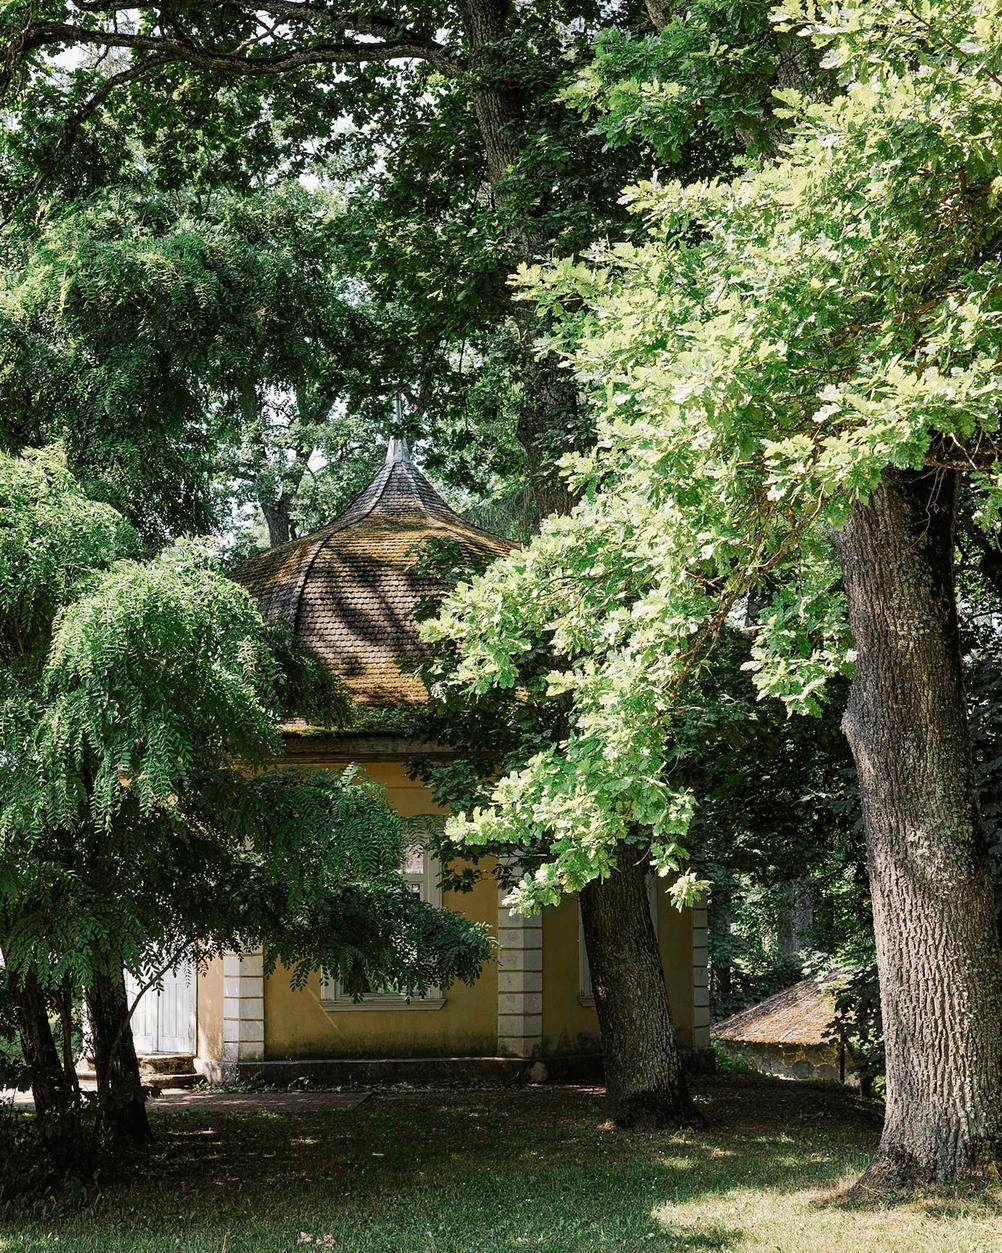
{"x":786,"y":1035}
{"x":351,"y":593}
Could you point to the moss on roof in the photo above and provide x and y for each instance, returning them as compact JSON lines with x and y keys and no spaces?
{"x":351,"y":590}
{"x":800,"y":1014}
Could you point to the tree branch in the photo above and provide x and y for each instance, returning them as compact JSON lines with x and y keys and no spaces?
{"x":70,"y":127}
{"x":390,"y":42}
{"x":661,"y":13}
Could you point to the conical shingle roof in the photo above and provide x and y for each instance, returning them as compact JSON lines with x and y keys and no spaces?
{"x":351,"y":590}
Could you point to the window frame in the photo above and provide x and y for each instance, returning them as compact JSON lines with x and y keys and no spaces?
{"x":333,"y":998}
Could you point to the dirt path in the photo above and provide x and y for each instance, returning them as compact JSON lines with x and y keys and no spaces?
{"x":198,"y":1099}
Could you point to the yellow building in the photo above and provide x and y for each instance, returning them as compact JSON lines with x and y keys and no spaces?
{"x":350,"y":592}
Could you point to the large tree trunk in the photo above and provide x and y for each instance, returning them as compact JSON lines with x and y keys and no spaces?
{"x":795,"y":919}
{"x":549,"y":420}
{"x":121,"y":1099}
{"x":549,"y":425}
{"x":498,"y":101}
{"x":938,"y":953}
{"x":721,"y":981}
{"x":660,"y":12}
{"x":278,"y":518}
{"x":52,"y":1089}
{"x":644,"y":1082}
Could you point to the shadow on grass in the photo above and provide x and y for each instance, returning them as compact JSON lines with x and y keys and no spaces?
{"x":471,"y":1172}
{"x":707,"y":1238}
{"x":546,"y":1147}
{"x":979,"y":1200}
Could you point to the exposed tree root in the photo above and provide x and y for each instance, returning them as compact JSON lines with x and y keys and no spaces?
{"x":894,"y":1174}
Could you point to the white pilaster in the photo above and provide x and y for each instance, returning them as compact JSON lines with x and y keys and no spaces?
{"x":700,"y":979}
{"x":520,"y":983}
{"x":243,"y":1006}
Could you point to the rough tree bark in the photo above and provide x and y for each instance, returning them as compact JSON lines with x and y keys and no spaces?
{"x":795,"y":919}
{"x":938,"y":954}
{"x":121,"y":1099}
{"x":644,"y":1081}
{"x":660,"y":12}
{"x":278,"y":517}
{"x":549,"y":413}
{"x":52,"y":1089}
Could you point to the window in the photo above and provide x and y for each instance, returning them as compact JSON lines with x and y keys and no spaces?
{"x":421,"y":874}
{"x":586,"y":994}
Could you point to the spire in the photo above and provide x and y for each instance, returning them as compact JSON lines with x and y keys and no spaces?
{"x":397,"y":451}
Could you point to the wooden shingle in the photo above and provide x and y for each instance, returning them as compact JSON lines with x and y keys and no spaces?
{"x":351,"y":590}
{"x":801,"y":1014}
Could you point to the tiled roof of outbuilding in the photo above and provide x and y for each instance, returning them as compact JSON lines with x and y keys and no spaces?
{"x":351,"y":590}
{"x":800,"y":1014}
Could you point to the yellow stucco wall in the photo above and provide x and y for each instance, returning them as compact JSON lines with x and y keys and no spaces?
{"x":209,"y":1037}
{"x":569,"y":1026}
{"x":298,"y":1025}
{"x":675,"y":941}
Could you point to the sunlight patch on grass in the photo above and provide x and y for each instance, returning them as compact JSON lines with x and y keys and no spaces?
{"x":491,"y":1171}
{"x":754,"y":1219}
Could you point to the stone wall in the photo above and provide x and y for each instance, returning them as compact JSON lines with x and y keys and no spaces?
{"x":817,"y":1062}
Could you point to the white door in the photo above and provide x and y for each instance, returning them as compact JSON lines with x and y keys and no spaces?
{"x":164,"y":1019}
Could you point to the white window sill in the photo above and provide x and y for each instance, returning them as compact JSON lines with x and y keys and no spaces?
{"x":397,"y":1003}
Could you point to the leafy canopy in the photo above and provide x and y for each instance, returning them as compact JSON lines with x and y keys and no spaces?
{"x":142,"y":705}
{"x":776,"y":343}
{"x":165,"y":337}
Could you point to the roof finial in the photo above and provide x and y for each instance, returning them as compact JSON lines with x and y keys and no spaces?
{"x":397,"y":449}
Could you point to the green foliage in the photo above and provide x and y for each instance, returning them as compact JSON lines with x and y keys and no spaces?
{"x":746,"y":961}
{"x":209,"y":358}
{"x":312,"y":873}
{"x":729,"y":1063}
{"x":414,"y":152}
{"x":163,"y":665}
{"x":52,"y":537}
{"x":171,"y":338}
{"x":135,"y":821}
{"x":857,"y":1025}
{"x":984,"y":686}
{"x":699,"y":91}
{"x":776,"y":343}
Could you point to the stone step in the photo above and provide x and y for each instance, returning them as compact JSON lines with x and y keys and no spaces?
{"x":188,"y":1079}
{"x":167,"y":1071}
{"x":167,"y":1064}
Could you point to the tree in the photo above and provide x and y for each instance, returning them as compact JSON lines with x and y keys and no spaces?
{"x":139,"y":825}
{"x":212,"y":336}
{"x":810,"y":348}
{"x":494,"y":732}
{"x":236,"y":341}
{"x":467,"y":98}
{"x":488,"y":69}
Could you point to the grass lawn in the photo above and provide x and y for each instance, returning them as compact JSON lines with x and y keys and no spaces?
{"x":481,"y":1172}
